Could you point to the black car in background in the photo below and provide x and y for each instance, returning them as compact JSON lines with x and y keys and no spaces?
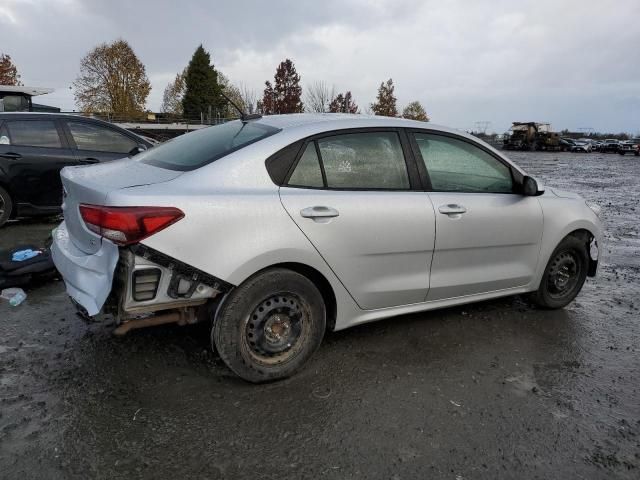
{"x":610,"y":145}
{"x":630,"y":146}
{"x":34,"y":147}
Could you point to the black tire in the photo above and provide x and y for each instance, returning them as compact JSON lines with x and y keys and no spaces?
{"x":564,"y":275}
{"x":6,"y":206}
{"x":248,"y":327}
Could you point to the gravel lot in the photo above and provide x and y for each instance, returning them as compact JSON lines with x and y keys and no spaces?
{"x":492,"y":390}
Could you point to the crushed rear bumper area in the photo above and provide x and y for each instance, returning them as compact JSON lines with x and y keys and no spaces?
{"x":88,"y":278}
{"x":130,"y":282}
{"x":148,"y":281}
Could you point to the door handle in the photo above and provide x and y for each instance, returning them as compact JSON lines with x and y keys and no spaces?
{"x":89,"y":160}
{"x":11,"y":155}
{"x":452,"y":209}
{"x":319,"y":212}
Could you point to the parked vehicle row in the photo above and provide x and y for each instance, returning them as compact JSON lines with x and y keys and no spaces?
{"x":610,"y":145}
{"x":34,"y":147}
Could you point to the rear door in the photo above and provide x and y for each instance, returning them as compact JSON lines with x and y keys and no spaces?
{"x":33,"y":151}
{"x":93,"y":143}
{"x":351,"y":195}
{"x":488,"y":234}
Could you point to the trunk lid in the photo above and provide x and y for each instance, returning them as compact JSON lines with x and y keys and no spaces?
{"x":92,"y":184}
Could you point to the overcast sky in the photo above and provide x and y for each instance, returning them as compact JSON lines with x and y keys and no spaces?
{"x":575,"y":64}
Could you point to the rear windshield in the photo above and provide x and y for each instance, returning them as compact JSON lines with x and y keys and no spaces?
{"x":199,"y":148}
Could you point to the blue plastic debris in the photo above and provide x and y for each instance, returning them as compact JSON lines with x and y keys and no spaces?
{"x":22,"y":255}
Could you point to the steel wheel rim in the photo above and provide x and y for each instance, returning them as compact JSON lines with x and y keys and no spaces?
{"x":564,"y":274}
{"x":2,"y":206}
{"x":275,"y":330}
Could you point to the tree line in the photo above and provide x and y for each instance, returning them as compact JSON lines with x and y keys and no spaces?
{"x":112,"y":79}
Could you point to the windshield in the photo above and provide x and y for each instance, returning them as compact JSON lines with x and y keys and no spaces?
{"x":199,"y":148}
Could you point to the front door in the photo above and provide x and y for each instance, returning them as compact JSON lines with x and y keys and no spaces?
{"x":33,"y":153}
{"x":351,"y":196}
{"x":488,"y":236}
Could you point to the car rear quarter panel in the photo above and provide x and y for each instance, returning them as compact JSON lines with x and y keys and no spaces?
{"x":230,"y":230}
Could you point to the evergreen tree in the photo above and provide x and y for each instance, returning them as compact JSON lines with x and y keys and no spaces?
{"x":202,"y":90}
{"x":415,"y":111}
{"x":386,"y":101}
{"x":284,"y":96}
{"x":343,"y":104}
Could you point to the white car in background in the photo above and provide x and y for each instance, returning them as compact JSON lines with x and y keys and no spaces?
{"x":276,"y":229}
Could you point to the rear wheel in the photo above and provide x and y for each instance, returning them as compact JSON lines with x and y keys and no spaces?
{"x":565,"y":274}
{"x":269,"y":326}
{"x":6,"y":206}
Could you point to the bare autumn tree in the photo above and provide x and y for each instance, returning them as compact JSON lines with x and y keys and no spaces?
{"x":249,"y":98}
{"x":415,"y":111}
{"x":343,"y":104}
{"x":173,"y":93}
{"x":234,"y":94}
{"x":112,"y":79}
{"x":284,"y":96}
{"x":318,"y":97}
{"x":385,"y":102}
{"x":8,"y":71}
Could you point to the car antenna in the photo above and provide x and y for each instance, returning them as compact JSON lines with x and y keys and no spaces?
{"x":245,"y":117}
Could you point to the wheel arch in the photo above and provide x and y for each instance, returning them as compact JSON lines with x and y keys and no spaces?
{"x":585,"y":236}
{"x":5,"y":185}
{"x":557,"y":228}
{"x":319,"y":280}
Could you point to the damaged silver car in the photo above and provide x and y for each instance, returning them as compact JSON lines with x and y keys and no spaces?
{"x":280,"y":228}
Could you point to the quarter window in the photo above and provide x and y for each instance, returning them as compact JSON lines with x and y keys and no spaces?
{"x":372,"y":160}
{"x":34,"y":133}
{"x":307,"y":172}
{"x":457,"y":166}
{"x":100,"y":139}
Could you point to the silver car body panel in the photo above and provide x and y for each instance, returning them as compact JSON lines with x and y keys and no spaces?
{"x":494,"y":245}
{"x":238,"y":222}
{"x":380,"y":245}
{"x":88,"y":278}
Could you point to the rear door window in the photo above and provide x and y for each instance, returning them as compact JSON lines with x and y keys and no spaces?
{"x":100,"y":139}
{"x":33,"y":133}
{"x":199,"y":148}
{"x":369,"y":160}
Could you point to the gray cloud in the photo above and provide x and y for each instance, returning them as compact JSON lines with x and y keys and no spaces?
{"x":572,"y":63}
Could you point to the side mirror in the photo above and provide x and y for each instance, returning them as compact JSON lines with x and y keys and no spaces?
{"x":137,"y":149}
{"x":530,"y":187}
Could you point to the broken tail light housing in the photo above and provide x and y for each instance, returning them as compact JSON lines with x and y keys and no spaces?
{"x":127,"y":225}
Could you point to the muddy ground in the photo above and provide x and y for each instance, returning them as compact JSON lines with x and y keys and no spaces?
{"x":493,"y":390}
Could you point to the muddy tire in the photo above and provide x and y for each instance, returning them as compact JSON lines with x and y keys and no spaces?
{"x":6,"y":206}
{"x":268,"y":327}
{"x":564,"y":275}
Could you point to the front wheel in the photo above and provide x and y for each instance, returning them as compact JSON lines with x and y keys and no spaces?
{"x":564,"y":275}
{"x":269,"y":326}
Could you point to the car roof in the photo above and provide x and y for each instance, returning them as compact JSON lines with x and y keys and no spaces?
{"x":339,"y":121}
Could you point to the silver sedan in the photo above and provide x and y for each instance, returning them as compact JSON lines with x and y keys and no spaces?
{"x":276,"y":229}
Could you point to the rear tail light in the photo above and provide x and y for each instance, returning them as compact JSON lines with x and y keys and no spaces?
{"x":127,"y":225}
